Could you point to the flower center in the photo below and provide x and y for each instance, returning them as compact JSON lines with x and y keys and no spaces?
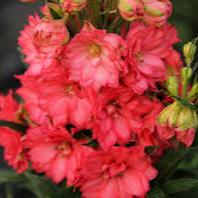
{"x":94,"y":50}
{"x":64,"y":149}
{"x":69,"y":90}
{"x":113,"y":170}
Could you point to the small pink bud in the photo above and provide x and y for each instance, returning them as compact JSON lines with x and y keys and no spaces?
{"x":28,"y":1}
{"x":156,"y":12}
{"x":73,"y":5}
{"x":130,"y":9}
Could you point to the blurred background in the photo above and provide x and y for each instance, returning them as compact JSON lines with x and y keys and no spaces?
{"x":13,"y":17}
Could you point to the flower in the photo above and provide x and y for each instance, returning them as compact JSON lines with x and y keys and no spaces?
{"x":114,"y":120}
{"x":41,"y":42}
{"x":54,"y":152}
{"x":14,"y":152}
{"x":55,"y":99}
{"x":156,"y":12}
{"x":9,"y":108}
{"x":147,"y":48}
{"x":94,"y":58}
{"x":118,"y":172}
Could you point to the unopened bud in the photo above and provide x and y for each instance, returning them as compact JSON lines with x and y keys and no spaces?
{"x":28,"y":1}
{"x":172,"y":85}
{"x":169,"y":115}
{"x":129,"y":9}
{"x":187,"y":119}
{"x":73,"y":5}
{"x":189,"y":51}
{"x":156,"y":12}
{"x":179,"y":117}
{"x":193,"y":92}
{"x":186,"y":74}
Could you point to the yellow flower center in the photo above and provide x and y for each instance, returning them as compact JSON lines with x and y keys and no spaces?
{"x":94,"y":50}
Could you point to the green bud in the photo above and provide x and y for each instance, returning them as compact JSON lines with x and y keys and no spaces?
{"x":193,"y":92}
{"x":169,"y":115}
{"x":187,"y":119}
{"x":189,"y":51}
{"x":186,"y":74}
{"x":172,"y":85}
{"x":124,"y":5}
{"x":179,"y":117}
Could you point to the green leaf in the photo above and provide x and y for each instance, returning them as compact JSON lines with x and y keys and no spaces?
{"x":156,"y":192}
{"x":13,"y":125}
{"x":44,"y":188}
{"x":8,"y":176}
{"x":180,"y":185}
{"x":41,"y":187}
{"x":169,"y":162}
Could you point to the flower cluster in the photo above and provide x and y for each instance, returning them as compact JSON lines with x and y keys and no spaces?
{"x":91,"y":100}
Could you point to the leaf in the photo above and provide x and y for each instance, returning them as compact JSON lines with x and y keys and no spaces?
{"x":8,"y":176}
{"x":169,"y":162}
{"x":156,"y":192}
{"x":40,"y":187}
{"x":44,"y":188}
{"x":13,"y":125}
{"x":180,"y":185}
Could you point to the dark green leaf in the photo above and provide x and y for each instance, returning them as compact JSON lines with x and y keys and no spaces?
{"x":12,"y":125}
{"x":8,"y":176}
{"x":180,"y":185}
{"x":156,"y":192}
{"x":169,"y":161}
{"x":54,"y":14}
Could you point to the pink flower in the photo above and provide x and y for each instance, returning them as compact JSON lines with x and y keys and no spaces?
{"x":9,"y":108}
{"x":119,"y":116}
{"x":147,"y":48}
{"x":54,"y":152}
{"x":119,"y":172}
{"x":156,"y":12}
{"x":56,"y":99}
{"x":14,"y":152}
{"x":93,"y":57}
{"x":41,"y":42}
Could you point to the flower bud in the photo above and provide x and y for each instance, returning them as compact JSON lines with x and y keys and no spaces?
{"x":189,"y":51}
{"x":169,"y":115}
{"x":156,"y":12}
{"x":73,"y":5}
{"x":130,"y":9}
{"x":186,"y":74}
{"x":187,"y":119}
{"x":179,"y":117}
{"x":193,"y":92}
{"x":172,"y":85}
{"x":28,"y":1}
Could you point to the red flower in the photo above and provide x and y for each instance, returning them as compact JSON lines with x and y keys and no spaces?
{"x":8,"y":108}
{"x":53,"y":151}
{"x":14,"y":152}
{"x":147,"y":49}
{"x":93,"y":57}
{"x":120,"y":172}
{"x":42,"y":42}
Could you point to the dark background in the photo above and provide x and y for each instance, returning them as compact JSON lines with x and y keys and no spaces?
{"x":13,"y":17}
